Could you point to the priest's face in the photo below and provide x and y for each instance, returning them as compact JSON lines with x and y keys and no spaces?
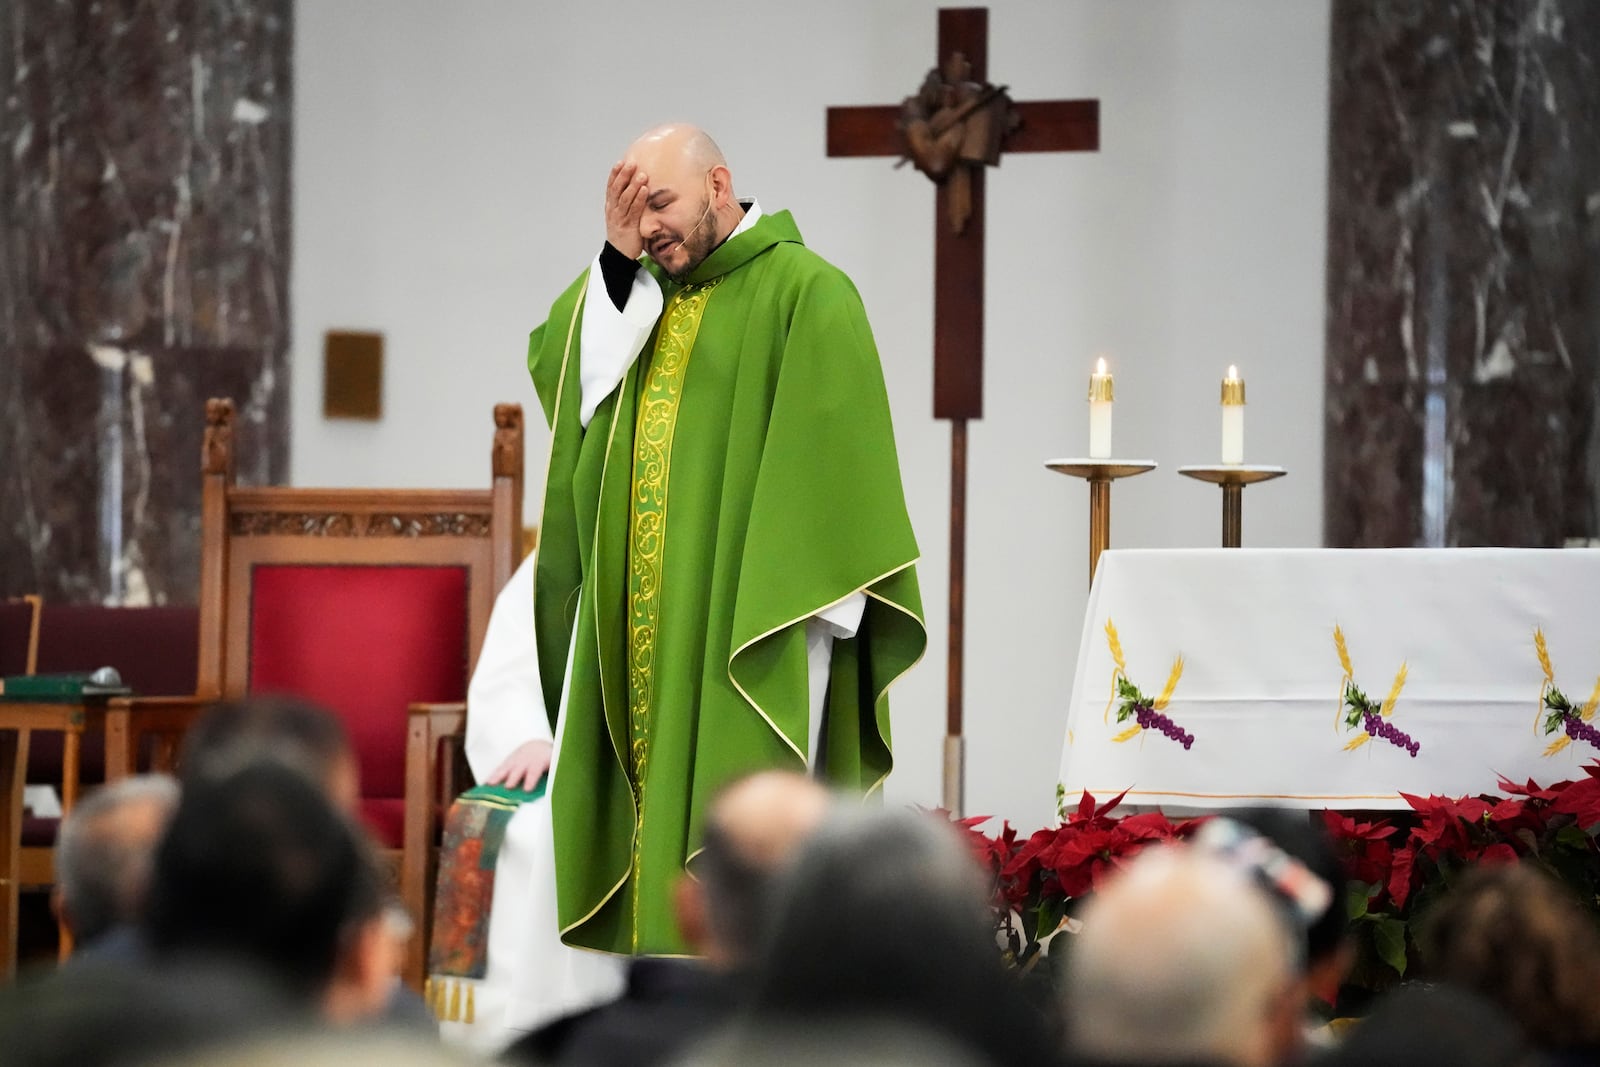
{"x":679,"y":225}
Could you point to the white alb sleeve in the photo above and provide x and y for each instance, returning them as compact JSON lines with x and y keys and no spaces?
{"x":505,"y":703}
{"x":843,"y":619}
{"x":612,"y":339}
{"x":836,"y":622}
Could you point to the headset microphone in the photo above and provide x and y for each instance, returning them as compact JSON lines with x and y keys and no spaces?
{"x":703,"y":216}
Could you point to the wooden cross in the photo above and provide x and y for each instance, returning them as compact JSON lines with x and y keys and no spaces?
{"x":1045,"y":126}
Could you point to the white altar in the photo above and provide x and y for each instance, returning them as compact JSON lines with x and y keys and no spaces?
{"x":1262,"y":681}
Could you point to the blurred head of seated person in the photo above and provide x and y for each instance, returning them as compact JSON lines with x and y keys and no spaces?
{"x":1433,"y":1025}
{"x":308,"y":738}
{"x":98,"y":1013}
{"x":313,"y":741}
{"x":754,"y":829}
{"x":257,"y":868}
{"x":1327,"y":953}
{"x":1517,"y":937}
{"x":1182,"y":959}
{"x":103,"y":858}
{"x":885,"y":919}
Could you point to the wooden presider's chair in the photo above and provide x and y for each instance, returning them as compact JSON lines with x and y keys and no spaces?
{"x":366,"y":601}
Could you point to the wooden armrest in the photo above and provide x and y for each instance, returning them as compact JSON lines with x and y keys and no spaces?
{"x":130,"y":718}
{"x":445,"y":719}
{"x":162,"y":713}
{"x":430,"y":787}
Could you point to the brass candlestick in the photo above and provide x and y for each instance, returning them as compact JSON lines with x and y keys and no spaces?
{"x":1233,"y":477}
{"x":1100,"y":473}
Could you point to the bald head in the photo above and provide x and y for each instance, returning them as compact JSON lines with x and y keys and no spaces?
{"x":689,"y":206}
{"x":767,"y":816}
{"x":675,"y":144}
{"x":754,"y":830}
{"x":1181,"y":959}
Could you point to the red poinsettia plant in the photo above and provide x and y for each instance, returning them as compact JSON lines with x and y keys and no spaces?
{"x":1400,"y":865}
{"x":1036,"y":880}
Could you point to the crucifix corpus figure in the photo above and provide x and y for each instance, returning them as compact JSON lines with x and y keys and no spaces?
{"x":952,"y":127}
{"x":956,"y":124}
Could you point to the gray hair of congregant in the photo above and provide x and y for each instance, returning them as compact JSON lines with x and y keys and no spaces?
{"x":885,"y":919}
{"x":102,"y":872}
{"x":1180,"y":959}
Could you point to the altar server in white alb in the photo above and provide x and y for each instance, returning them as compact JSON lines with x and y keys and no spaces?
{"x":532,"y":976}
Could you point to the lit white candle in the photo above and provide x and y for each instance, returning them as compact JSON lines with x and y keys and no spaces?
{"x":1100,"y":412}
{"x":1233,"y":417}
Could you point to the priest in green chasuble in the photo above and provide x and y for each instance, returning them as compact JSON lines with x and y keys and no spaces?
{"x":726,"y":571}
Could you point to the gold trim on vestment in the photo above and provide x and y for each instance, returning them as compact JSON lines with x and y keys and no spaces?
{"x":865,"y":590}
{"x":921,"y":625}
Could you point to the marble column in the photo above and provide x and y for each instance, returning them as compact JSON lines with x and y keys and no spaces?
{"x":144,"y":189}
{"x":1463,"y":330}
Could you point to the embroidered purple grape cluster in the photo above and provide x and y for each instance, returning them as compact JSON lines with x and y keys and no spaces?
{"x":1366,"y":713}
{"x":1377,"y":726}
{"x":1563,"y":715}
{"x":1579,"y":730}
{"x":1133,"y":704}
{"x":1151,"y":719}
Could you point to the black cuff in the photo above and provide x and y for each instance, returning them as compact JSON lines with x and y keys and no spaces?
{"x":618,"y":271}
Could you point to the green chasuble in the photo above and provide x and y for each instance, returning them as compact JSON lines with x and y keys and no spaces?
{"x":741,"y":477}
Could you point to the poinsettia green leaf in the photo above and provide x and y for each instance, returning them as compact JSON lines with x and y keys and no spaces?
{"x":1050,"y":915}
{"x":1356,"y":899}
{"x":1574,"y":836}
{"x":1389,"y":938}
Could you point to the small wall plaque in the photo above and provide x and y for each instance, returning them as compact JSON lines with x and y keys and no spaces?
{"x":352,"y":375}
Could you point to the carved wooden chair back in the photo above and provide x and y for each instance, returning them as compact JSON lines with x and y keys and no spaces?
{"x":365,"y":601}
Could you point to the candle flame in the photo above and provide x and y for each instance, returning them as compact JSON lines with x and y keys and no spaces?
{"x":1233,"y":373}
{"x":1100,"y":365}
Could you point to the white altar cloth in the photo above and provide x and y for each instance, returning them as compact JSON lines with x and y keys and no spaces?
{"x":1262,"y":681}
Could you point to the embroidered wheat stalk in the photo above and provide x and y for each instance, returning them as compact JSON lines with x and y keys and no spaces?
{"x":1161,"y":701}
{"x":1394,"y":692}
{"x":1543,"y":650}
{"x":1593,"y":701}
{"x":1116,"y":647}
{"x":1115,"y":644}
{"x":1349,"y":676}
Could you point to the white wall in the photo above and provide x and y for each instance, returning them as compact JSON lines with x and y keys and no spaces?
{"x":449,"y":161}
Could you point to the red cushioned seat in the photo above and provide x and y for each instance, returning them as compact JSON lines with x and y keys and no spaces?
{"x":367,"y":642}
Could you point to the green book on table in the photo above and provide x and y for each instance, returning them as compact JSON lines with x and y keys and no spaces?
{"x":73,"y":685}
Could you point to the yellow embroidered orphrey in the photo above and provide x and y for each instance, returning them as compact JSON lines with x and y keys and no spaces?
{"x":652,"y":466}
